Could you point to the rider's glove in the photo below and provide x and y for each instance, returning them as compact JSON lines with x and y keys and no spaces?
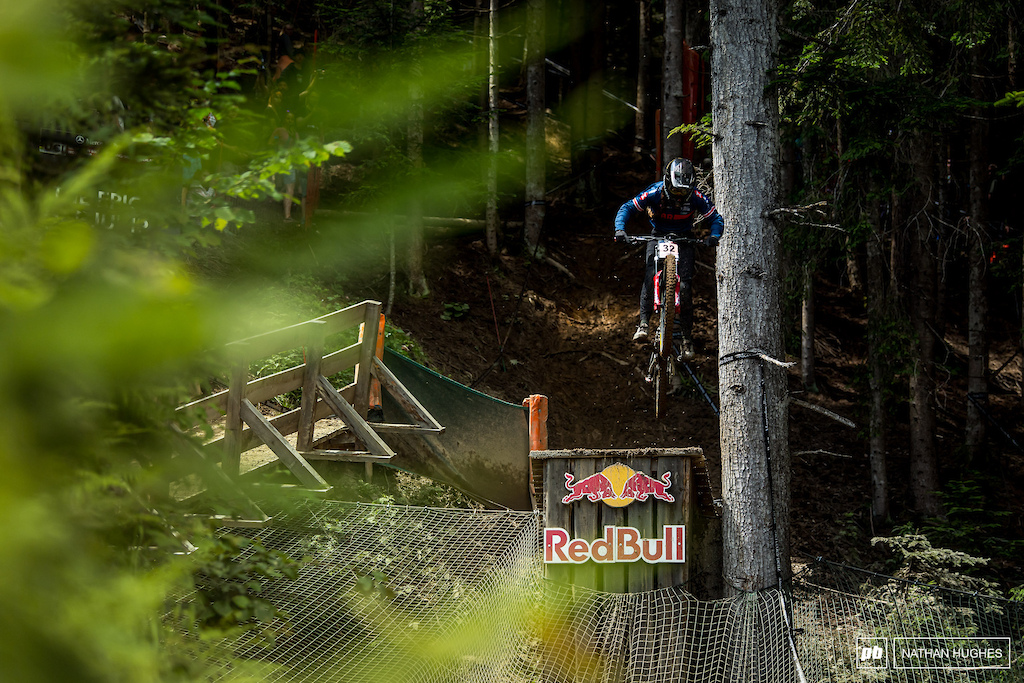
{"x":620,"y":235}
{"x":711,"y":240}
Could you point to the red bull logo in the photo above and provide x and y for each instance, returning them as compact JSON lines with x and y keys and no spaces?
{"x":618,"y":486}
{"x":619,"y":544}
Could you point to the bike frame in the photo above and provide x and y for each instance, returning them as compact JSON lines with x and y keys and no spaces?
{"x":667,"y":244}
{"x":662,"y":365}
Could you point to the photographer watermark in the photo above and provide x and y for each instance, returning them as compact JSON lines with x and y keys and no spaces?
{"x":952,"y":652}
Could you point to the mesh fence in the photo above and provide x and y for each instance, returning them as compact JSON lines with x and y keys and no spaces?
{"x":857,"y":625}
{"x":391,"y":593}
{"x":662,"y":635}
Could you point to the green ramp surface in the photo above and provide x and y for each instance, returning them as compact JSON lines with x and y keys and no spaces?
{"x":484,"y":448}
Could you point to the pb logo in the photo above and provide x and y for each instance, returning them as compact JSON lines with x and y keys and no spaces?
{"x":872,"y":653}
{"x":868,"y":653}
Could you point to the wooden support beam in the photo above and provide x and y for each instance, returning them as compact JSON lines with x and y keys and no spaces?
{"x":216,"y":478}
{"x":282,"y":449}
{"x":409,"y":404}
{"x":343,"y":409}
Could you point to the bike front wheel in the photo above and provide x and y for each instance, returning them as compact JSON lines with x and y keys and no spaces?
{"x":661,"y":382}
{"x":668,"y":306}
{"x":664,"y":340}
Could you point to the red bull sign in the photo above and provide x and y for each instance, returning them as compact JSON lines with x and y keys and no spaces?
{"x":618,"y":486}
{"x":619,"y":544}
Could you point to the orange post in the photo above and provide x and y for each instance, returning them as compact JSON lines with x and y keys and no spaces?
{"x":538,"y":406}
{"x":375,"y":395}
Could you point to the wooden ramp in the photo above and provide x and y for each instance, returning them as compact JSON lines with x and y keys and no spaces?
{"x":245,"y":427}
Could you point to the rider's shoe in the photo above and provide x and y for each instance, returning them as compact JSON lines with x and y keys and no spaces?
{"x":686,"y":352}
{"x":641,"y":332}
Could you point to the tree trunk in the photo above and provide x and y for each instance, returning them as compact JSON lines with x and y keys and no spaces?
{"x":492,"y":130}
{"x":754,"y":422}
{"x":924,"y":474}
{"x":481,"y":66}
{"x":672,"y":79}
{"x":536,"y":147}
{"x":807,"y":330}
{"x":643,"y":80}
{"x":977,"y":295}
{"x":414,"y":149}
{"x":878,"y":378}
{"x":587,"y":96}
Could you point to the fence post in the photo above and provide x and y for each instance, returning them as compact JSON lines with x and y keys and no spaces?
{"x":314,"y":355}
{"x":376,"y":406}
{"x":538,"y":406}
{"x":233,"y":418}
{"x":368,"y":344}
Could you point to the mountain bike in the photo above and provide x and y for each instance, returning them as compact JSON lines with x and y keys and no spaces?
{"x":662,"y":370}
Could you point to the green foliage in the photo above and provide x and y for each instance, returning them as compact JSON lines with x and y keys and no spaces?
{"x":970,"y":522}
{"x":230,"y":575}
{"x":919,"y":561}
{"x":454,"y":311}
{"x":701,"y":133}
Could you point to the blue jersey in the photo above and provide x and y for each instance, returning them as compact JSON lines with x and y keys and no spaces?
{"x":667,"y":215}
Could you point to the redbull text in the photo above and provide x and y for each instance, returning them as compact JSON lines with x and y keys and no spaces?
{"x":619,"y":544}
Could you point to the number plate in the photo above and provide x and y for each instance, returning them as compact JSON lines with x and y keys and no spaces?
{"x":666,"y":247}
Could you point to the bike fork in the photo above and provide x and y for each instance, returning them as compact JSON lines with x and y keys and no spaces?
{"x":652,"y":368}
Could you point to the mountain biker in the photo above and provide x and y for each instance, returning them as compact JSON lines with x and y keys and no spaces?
{"x":671,"y":205}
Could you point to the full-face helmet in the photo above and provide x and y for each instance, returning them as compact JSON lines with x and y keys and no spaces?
{"x":680,"y":178}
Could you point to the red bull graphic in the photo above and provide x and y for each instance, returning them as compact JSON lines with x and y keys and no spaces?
{"x":595,"y":487}
{"x":619,"y":544}
{"x":618,"y":486}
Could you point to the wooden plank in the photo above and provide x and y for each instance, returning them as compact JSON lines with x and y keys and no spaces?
{"x":341,"y":360}
{"x":613,"y":579}
{"x":233,"y":522}
{"x":294,"y":336}
{"x":586,"y":522}
{"x":675,"y":513}
{"x":640,"y":515}
{"x":311,"y":371}
{"x":556,"y":514}
{"x":385,"y":427}
{"x":343,"y":456}
{"x":284,"y":451}
{"x":356,"y":423}
{"x":409,"y":404}
{"x":281,"y":382}
{"x":233,"y":420}
{"x":217,"y":402}
{"x":621,"y":454}
{"x":270,"y":343}
{"x":368,"y":338}
{"x":346,"y":318}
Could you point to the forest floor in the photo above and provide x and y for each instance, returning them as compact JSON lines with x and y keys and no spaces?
{"x":532,"y":327}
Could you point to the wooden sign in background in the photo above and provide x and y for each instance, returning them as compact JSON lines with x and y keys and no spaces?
{"x":690,"y":486}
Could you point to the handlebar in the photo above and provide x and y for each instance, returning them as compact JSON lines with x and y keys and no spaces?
{"x":635,"y":239}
